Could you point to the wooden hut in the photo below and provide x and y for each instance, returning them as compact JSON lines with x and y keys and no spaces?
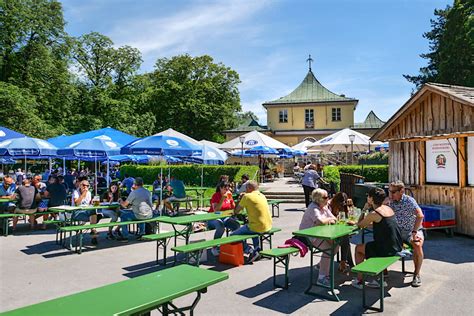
{"x":432,"y":148}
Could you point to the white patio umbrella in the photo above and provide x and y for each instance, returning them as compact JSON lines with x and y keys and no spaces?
{"x":303,"y":145}
{"x":253,"y":139}
{"x":171,"y":132}
{"x":341,"y":141}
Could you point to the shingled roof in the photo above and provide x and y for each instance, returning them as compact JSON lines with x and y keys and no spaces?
{"x":309,"y":91}
{"x":371,"y":121}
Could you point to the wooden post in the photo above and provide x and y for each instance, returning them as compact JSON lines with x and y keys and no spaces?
{"x":462,"y":161}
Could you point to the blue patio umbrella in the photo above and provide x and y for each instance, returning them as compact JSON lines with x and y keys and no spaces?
{"x":93,"y":148}
{"x":6,"y":133}
{"x":299,"y":153}
{"x":27,"y":146}
{"x":262,"y":150}
{"x":209,"y":156}
{"x":286,"y":152}
{"x":107,"y":133}
{"x":238,"y":153}
{"x":161,"y":145}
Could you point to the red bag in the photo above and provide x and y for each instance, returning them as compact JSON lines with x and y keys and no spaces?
{"x":232,"y":254}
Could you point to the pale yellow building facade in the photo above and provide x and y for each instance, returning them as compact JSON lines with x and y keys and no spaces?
{"x":310,"y":111}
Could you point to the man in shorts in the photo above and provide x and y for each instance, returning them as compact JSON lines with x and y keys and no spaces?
{"x":409,"y":218}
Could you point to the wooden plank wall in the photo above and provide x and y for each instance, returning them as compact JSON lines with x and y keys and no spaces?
{"x":461,"y":198}
{"x":432,"y":114}
{"x":404,"y":162}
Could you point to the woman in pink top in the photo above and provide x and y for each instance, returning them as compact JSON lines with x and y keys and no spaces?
{"x":222,"y":201}
{"x":318,"y":214}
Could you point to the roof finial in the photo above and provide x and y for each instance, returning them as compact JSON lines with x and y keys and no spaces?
{"x":309,"y":60}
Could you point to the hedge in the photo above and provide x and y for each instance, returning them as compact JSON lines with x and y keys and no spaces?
{"x":190,"y":174}
{"x":373,"y":173}
{"x":331,"y":175}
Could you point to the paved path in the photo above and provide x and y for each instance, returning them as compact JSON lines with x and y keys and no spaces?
{"x":34,"y":269}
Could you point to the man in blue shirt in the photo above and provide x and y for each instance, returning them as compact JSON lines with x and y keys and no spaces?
{"x":176,"y":187}
{"x":7,"y":190}
{"x":128,"y":183}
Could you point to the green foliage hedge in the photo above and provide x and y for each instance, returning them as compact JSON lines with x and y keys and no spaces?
{"x":373,"y":173}
{"x":377,"y":158}
{"x":331,"y":175}
{"x":190,"y":174}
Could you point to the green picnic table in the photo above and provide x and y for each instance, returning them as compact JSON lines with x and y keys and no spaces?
{"x":135,"y":296}
{"x":332,"y":233}
{"x":187,"y":221}
{"x":199,"y":194}
{"x":3,"y":200}
{"x":275,"y":204}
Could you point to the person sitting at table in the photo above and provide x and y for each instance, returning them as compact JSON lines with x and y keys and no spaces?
{"x":387,"y":238}
{"x":177,"y":192}
{"x":27,"y":196}
{"x":158,"y":188}
{"x":222,"y":200}
{"x":318,"y":214}
{"x":337,"y":205}
{"x":260,"y":219}
{"x":55,"y":193}
{"x":82,"y":197}
{"x":140,"y":201}
{"x":7,"y":191}
{"x":243,"y":184}
{"x":111,"y":196}
{"x":127,"y":183}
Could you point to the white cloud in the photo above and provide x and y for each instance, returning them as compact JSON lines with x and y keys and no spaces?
{"x":188,"y":28}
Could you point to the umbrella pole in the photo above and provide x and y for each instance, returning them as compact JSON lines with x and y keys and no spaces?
{"x":95,"y":171}
{"x":108,"y":167}
{"x":25,"y":163}
{"x":64,"y":166}
{"x":201,"y":203}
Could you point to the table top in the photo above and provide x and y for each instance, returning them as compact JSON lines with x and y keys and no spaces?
{"x":189,"y":219}
{"x":2,"y":200}
{"x":69,"y":208}
{"x":326,"y":231}
{"x":148,"y":291}
{"x":197,"y":188}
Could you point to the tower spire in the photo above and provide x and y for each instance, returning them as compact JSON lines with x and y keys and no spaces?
{"x":309,"y":60}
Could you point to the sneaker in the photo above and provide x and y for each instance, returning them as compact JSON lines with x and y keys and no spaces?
{"x":324,"y":281}
{"x":416,"y":281}
{"x":94,"y":241}
{"x":253,"y":256}
{"x":215,"y":251}
{"x":376,"y":284}
{"x":357,"y":284}
{"x":118,"y":233}
{"x":122,"y":239}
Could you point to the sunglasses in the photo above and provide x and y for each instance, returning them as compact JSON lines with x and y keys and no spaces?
{"x":85,"y":185}
{"x":394,"y":191}
{"x":325,"y":197}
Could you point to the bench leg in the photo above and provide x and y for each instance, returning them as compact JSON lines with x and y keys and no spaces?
{"x":285,"y":260}
{"x":163,"y":243}
{"x":382,"y":294}
{"x":264,"y":238}
{"x":169,"y":308}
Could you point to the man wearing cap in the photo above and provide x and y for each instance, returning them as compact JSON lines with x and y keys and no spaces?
{"x":140,"y":202}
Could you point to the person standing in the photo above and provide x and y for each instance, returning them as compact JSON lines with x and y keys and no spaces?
{"x":309,"y":182}
{"x":409,"y":218}
{"x":260,"y":219}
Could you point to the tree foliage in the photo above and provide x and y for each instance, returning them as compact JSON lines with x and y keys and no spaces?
{"x":52,"y":83}
{"x":451,"y":55}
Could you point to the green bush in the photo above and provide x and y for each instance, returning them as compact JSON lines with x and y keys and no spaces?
{"x":190,"y":174}
{"x":372,"y":173}
{"x":376,"y":158}
{"x":331,"y":175}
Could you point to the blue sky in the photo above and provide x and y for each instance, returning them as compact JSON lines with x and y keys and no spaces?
{"x":360,"y":48}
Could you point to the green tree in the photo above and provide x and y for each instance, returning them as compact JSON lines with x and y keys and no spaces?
{"x":451,"y":55}
{"x":34,"y":56}
{"x":194,"y":95}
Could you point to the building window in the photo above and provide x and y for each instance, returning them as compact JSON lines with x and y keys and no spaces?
{"x":309,"y":118}
{"x":336,"y":114}
{"x":283,"y":115}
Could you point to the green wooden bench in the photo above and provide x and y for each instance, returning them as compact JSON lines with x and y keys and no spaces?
{"x":8,"y":216}
{"x":275,"y":204}
{"x":374,"y":267}
{"x":280,"y":255}
{"x":162,"y":240}
{"x":194,"y":250}
{"x":80,"y":228}
{"x":267,"y":236}
{"x":136,"y":296}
